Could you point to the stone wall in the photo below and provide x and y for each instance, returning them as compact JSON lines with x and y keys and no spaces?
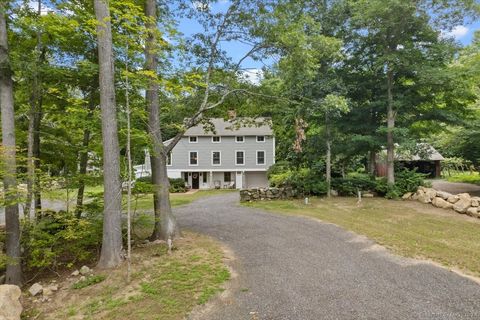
{"x":261,"y":194}
{"x":462,"y":203}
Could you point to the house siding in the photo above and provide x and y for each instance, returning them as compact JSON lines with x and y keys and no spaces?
{"x":204,"y":146}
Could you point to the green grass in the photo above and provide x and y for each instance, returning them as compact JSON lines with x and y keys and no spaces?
{"x":89,"y":281}
{"x":163,"y":286}
{"x":465,"y":177}
{"x":408,"y":228}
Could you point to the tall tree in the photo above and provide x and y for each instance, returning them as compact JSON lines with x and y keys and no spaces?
{"x":14,"y":272}
{"x":165,"y":222}
{"x":112,"y":213}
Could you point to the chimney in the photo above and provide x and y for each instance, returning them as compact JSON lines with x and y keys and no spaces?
{"x":232,"y":114}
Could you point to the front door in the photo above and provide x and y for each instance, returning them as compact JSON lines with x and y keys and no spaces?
{"x":195,"y":180}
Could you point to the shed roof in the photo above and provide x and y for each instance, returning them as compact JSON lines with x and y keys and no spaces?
{"x":423,"y":152}
{"x":236,"y":127}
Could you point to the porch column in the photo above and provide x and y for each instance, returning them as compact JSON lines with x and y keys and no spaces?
{"x":211,"y":180}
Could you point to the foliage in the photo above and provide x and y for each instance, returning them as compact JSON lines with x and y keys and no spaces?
{"x":406,"y":181}
{"x":351,"y":185}
{"x":304,"y":181}
{"x":144,"y":185}
{"x":89,"y":281}
{"x":59,"y":239}
{"x":177,"y":185}
{"x":465,"y":178}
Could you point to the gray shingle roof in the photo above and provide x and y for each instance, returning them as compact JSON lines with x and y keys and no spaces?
{"x":237,"y":127}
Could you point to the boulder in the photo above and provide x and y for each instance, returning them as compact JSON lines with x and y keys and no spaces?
{"x":462,"y":204}
{"x":368,"y":195}
{"x":441,"y":203}
{"x":472,"y":211}
{"x":85,"y":270}
{"x":444,"y":195}
{"x":10,"y":307}
{"x":453,"y":198}
{"x":35,"y":289}
{"x":476,"y":202}
{"x":407,"y":196}
{"x":75,"y":273}
{"x":334,"y":193}
{"x":47,"y":291}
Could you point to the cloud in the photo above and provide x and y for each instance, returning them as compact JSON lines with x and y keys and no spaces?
{"x":457,"y":32}
{"x":254,"y":76}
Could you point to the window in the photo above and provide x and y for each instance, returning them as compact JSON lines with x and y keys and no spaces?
{"x":216,"y":161}
{"x":193,"y":158}
{"x":239,"y":157}
{"x":260,"y":138}
{"x":227,"y":177}
{"x":215,"y":139}
{"x":169,"y":159}
{"x":193,"y":139}
{"x":239,"y":139}
{"x":205,"y":177}
{"x":260,"y":157}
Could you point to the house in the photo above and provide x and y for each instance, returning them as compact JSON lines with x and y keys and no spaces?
{"x":425,"y":159}
{"x":227,"y":154}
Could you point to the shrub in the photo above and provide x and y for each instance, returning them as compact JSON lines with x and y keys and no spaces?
{"x":90,"y":280}
{"x":405,"y":181}
{"x":144,"y":185}
{"x":60,"y":239}
{"x":302,"y":181}
{"x":351,"y":185}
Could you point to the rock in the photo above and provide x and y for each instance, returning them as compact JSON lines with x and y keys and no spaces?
{"x":368,"y":195}
{"x":35,"y":289}
{"x":444,"y":195}
{"x":453,"y":198}
{"x":334,"y":193}
{"x":476,"y":202}
{"x":75,"y":273}
{"x":407,"y":196}
{"x":472,"y":211}
{"x":85,"y":270}
{"x":10,"y":307}
{"x":441,"y":203}
{"x":47,"y":291}
{"x":82,"y":278}
{"x":463,"y":204}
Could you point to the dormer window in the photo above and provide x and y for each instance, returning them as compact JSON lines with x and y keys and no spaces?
{"x":193,"y":139}
{"x":216,"y":139}
{"x":239,"y":139}
{"x":260,"y":138}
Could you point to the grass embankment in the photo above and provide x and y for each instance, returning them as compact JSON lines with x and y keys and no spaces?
{"x":465,"y":177}
{"x":408,"y":228}
{"x":163,"y":286}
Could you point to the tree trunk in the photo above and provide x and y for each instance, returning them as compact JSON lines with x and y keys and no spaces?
{"x":165,"y":222}
{"x":390,"y":127}
{"x":12,"y":224}
{"x":34,"y":121}
{"x":328,"y":175}
{"x":110,"y":255}
{"x":372,"y":163}
{"x":83,"y":161}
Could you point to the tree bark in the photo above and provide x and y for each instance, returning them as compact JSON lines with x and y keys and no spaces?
{"x":34,"y":121}
{"x":83,"y":161}
{"x":328,"y":175}
{"x":165,"y":223}
{"x":110,"y":255}
{"x":390,"y":127}
{"x":12,"y":224}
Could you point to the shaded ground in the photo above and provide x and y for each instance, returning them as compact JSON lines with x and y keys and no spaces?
{"x":299,"y":268}
{"x":456,"y":187}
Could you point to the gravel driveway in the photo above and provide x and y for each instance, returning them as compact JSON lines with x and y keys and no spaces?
{"x":299,"y":268}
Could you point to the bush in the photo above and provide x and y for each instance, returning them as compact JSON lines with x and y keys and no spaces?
{"x":60,"y":239}
{"x":89,"y":281}
{"x":302,"y":181}
{"x":144,"y":185}
{"x":351,"y":185}
{"x":405,"y":181}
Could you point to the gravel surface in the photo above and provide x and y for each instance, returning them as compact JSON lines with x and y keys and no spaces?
{"x":299,"y":268}
{"x":456,"y":187}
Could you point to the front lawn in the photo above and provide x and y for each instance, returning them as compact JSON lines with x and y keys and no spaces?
{"x":408,"y":228}
{"x":163,"y":286}
{"x":465,"y":177}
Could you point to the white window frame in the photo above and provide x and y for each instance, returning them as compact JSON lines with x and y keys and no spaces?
{"x":190,"y":141}
{"x":264,"y":157}
{"x":244,"y":158}
{"x":243,"y":139}
{"x":219,"y":139}
{"x":264,"y":139}
{"x":170,"y":159}
{"x":189,"y":158}
{"x":220,"y":153}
